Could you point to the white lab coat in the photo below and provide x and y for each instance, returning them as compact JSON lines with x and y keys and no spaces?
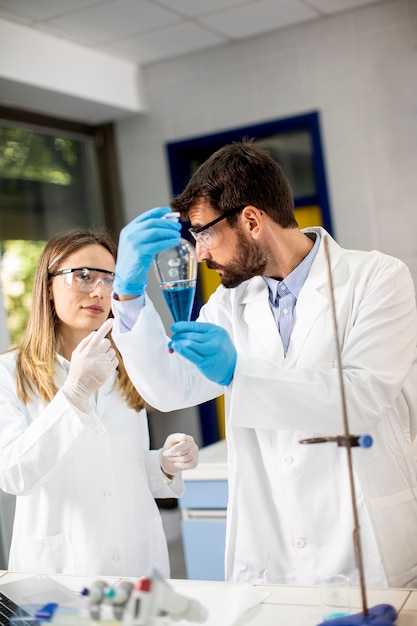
{"x":289,"y":513}
{"x":85,"y":483}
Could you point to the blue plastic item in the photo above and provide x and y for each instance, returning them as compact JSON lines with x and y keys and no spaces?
{"x":379,"y":615}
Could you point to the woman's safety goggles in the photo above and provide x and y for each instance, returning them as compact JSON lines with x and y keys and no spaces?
{"x":86,"y":279}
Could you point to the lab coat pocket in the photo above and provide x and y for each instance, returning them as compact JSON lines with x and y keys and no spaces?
{"x":53,"y":554}
{"x":395,"y":522}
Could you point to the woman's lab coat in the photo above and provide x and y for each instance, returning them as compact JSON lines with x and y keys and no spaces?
{"x":289,"y":513}
{"x":85,"y":483}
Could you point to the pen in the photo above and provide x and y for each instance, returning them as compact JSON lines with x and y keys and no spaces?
{"x":119,"y":597}
{"x":95,"y":597}
{"x":132,"y":612}
{"x":95,"y":593}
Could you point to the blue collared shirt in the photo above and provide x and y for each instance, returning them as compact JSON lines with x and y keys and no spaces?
{"x":283,"y":294}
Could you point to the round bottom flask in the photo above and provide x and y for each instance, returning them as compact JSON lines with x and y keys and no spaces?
{"x":176,"y":270}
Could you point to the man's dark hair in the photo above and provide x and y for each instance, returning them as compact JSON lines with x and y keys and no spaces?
{"x":240,"y":173}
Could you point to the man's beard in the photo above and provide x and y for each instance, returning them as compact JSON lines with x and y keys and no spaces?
{"x":251,"y":261}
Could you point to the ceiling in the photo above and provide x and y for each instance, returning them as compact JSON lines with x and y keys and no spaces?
{"x":145,"y":31}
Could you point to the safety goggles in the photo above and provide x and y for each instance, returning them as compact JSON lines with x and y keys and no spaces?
{"x":86,"y":279}
{"x":206,"y":235}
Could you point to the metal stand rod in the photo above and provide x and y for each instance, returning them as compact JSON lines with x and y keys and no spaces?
{"x":356,"y":530}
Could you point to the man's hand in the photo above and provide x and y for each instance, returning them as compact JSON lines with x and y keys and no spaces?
{"x":139,"y":242}
{"x":208,"y":346}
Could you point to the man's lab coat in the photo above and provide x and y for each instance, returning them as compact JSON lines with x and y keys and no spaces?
{"x":289,"y":514}
{"x":85,"y":483}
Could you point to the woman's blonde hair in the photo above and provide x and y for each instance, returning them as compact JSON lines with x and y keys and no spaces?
{"x":35,"y":368}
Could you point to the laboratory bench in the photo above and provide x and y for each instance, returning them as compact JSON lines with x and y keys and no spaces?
{"x":203,"y":511}
{"x":203,"y":514}
{"x":276,"y":604}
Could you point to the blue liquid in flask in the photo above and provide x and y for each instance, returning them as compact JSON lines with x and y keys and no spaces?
{"x":179,"y":296}
{"x":338,"y":615}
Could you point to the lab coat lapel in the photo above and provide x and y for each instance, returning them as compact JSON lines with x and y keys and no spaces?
{"x":257,"y":317}
{"x":310,"y":304}
{"x":314,"y":297}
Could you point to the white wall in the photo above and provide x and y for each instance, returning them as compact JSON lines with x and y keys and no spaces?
{"x":358,"y":69}
{"x":74,"y":82}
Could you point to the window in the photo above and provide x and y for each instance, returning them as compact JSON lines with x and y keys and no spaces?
{"x":53,"y":176}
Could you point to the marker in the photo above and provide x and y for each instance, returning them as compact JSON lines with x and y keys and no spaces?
{"x":119,"y":594}
{"x":95,"y":597}
{"x":136,"y":598}
{"x":95,"y":593}
{"x":119,"y":597}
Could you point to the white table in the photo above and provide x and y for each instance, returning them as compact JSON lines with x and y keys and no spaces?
{"x":284,"y":606}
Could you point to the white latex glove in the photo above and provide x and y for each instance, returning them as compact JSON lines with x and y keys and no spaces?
{"x":179,"y":452}
{"x":92,"y":362}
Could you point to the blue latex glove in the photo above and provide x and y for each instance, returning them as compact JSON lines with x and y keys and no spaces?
{"x":139,"y":242}
{"x":208,"y":346}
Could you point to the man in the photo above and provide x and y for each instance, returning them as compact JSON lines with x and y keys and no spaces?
{"x":265,"y":339}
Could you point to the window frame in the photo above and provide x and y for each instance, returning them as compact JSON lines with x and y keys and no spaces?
{"x":104,"y":144}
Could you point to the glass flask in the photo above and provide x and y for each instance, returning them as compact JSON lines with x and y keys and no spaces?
{"x":176,"y":270}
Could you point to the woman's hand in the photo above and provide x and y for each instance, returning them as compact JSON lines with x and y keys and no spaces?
{"x":178,"y":453}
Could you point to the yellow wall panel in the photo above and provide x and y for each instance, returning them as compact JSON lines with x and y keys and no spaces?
{"x":308,"y":216}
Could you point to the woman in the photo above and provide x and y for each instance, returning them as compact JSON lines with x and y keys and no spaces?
{"x":74,"y":441}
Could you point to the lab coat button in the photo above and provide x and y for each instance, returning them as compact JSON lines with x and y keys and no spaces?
{"x":300,"y":543}
{"x":100,"y":430}
{"x":287,"y":460}
{"x":108,"y":494}
{"x":117,"y":557}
